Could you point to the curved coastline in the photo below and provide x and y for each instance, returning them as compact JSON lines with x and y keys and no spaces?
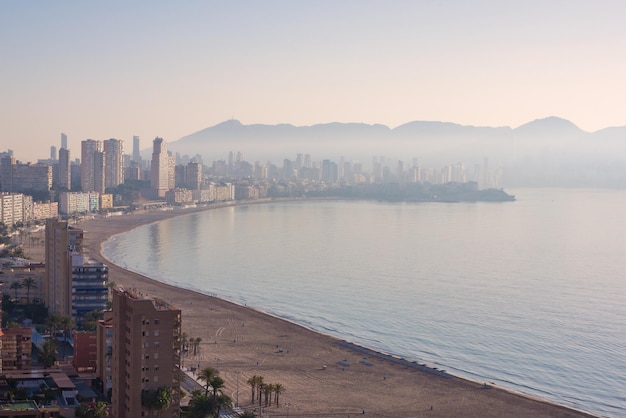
{"x":301,"y":358}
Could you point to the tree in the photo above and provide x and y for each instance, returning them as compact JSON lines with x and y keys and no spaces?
{"x":200,"y":405}
{"x":53,"y":323}
{"x":90,"y":319}
{"x":216,"y":383}
{"x":163,"y":398}
{"x":278,"y":389}
{"x":66,"y":323}
{"x":97,"y":410}
{"x":159,"y":399}
{"x":254,"y":382}
{"x":221,"y":401}
{"x":267,"y":391}
{"x":28,"y":283}
{"x":48,"y":354}
{"x":15,"y":286}
{"x":196,"y":343}
{"x":184,"y":340}
{"x":206,"y":375}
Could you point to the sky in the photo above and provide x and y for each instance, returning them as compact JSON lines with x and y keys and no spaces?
{"x":116,"y":69}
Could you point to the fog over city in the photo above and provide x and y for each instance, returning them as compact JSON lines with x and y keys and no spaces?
{"x":546,"y":152}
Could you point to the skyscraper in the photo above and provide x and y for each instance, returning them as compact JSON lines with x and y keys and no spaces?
{"x":57,"y":289}
{"x":114,"y":162}
{"x":99,"y":175}
{"x":87,"y":167}
{"x":64,"y":169}
{"x":145,"y":352}
{"x":63,"y":141}
{"x":53,"y":153}
{"x":136,"y":149}
{"x":160,"y":167}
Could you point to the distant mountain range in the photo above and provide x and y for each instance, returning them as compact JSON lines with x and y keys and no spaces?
{"x":542,"y":144}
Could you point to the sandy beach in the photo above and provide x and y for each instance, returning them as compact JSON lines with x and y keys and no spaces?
{"x":321,"y":376}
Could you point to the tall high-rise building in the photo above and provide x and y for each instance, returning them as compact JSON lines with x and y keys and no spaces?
{"x":63,"y":141}
{"x":65,"y":179}
{"x":136,"y":149}
{"x":53,"y":153}
{"x":160,"y":168}
{"x":145,"y":352}
{"x":114,"y":162}
{"x":193,"y":176}
{"x":89,"y":280}
{"x":87,"y":165}
{"x":73,"y":284}
{"x":99,"y":175}
{"x":60,"y":239}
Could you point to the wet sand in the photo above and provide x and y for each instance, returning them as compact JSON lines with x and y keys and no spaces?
{"x":320,"y":375}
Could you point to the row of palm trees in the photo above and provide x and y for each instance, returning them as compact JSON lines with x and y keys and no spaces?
{"x":192,"y":342}
{"x":260,"y":388}
{"x":28,"y":283}
{"x":209,"y":404}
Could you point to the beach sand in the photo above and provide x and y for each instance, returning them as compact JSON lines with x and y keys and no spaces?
{"x":320,"y":377}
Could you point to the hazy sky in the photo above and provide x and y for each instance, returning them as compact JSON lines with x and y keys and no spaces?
{"x":151,"y":68}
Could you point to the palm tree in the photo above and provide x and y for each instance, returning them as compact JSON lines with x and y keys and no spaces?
{"x":48,"y":353}
{"x":220,"y":402}
{"x":53,"y":323}
{"x":162,"y":398}
{"x":66,"y":323}
{"x":206,"y":375}
{"x":278,"y":389}
{"x":252,"y":382}
{"x":199,"y":405}
{"x":217,"y":383}
{"x":260,"y":385}
{"x":196,"y":344}
{"x":15,"y":286}
{"x":159,"y":399}
{"x":267,"y":391}
{"x":28,"y":283}
{"x":90,"y":319}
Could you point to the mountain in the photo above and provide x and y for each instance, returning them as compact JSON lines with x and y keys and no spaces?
{"x":551,"y":150}
{"x":550,"y":126}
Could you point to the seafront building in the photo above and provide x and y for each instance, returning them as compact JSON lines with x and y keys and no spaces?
{"x":161,"y":178}
{"x":114,"y":162}
{"x":88,"y":164}
{"x":145,"y":352}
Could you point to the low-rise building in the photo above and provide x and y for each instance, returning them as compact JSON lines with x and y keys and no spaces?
{"x":16,"y":349}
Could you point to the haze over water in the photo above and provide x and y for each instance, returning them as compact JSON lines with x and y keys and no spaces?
{"x":527,"y":294}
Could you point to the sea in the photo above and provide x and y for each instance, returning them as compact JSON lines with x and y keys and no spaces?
{"x":529,"y":295}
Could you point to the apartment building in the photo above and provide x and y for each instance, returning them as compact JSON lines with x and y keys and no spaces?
{"x":145,"y":352}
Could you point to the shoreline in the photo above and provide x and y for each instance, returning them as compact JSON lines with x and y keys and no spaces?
{"x":347,"y":382}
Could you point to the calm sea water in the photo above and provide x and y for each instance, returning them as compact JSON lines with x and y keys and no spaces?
{"x":529,"y":294}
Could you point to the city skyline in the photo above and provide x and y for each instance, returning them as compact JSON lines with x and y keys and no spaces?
{"x":116,"y":70}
